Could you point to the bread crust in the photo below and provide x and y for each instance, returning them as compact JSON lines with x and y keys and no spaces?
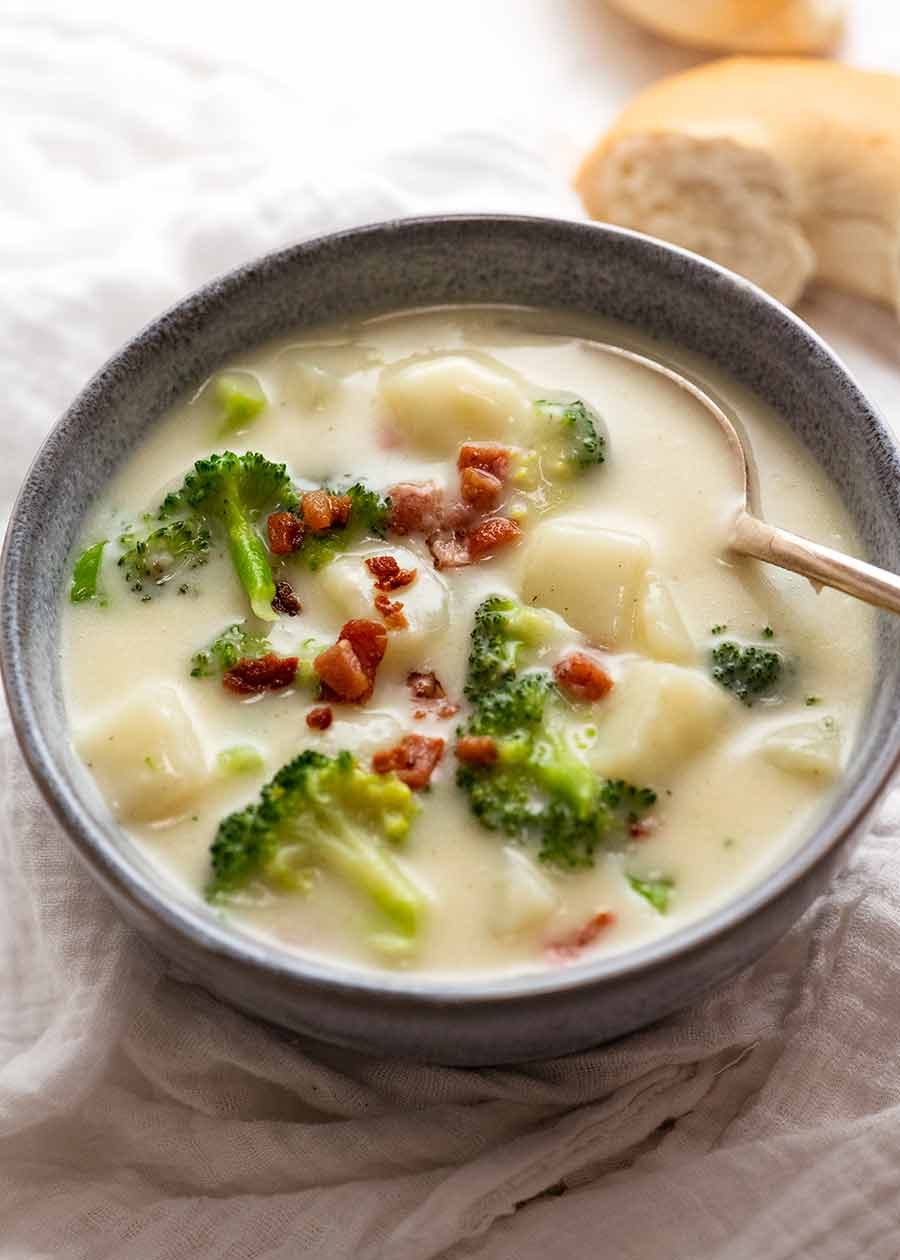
{"x":792,"y":145}
{"x":763,"y":26}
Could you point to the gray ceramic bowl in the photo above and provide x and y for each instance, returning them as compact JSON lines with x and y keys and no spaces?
{"x":541,"y":262}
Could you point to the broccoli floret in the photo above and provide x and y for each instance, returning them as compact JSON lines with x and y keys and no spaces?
{"x":86,"y":573}
{"x":540,"y":786}
{"x":573,"y":438}
{"x":323,"y":813}
{"x":232,"y":645}
{"x":368,"y":516}
{"x":748,"y":671}
{"x":151,"y":562}
{"x":228,"y":492}
{"x":503,"y":627}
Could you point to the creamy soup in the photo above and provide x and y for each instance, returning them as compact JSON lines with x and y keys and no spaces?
{"x":472,"y":684}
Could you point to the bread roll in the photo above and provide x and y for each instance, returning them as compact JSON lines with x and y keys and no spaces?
{"x":764,"y":26}
{"x":780,"y":169}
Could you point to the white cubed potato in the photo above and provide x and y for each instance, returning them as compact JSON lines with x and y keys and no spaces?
{"x":350,"y":586}
{"x":522,"y":897}
{"x":592,"y":577}
{"x":439,"y":401}
{"x":655,"y":717}
{"x":811,"y":749}
{"x":146,"y":755}
{"x":661,"y":630}
{"x":310,"y":376}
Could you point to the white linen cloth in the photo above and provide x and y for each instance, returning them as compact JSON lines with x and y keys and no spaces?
{"x":141,"y":1119}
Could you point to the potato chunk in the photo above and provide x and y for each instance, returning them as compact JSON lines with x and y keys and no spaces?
{"x":812,"y":749}
{"x":657,"y":716}
{"x":350,"y":585}
{"x":522,"y":898}
{"x":146,"y":755}
{"x":592,"y":577}
{"x":439,"y":401}
{"x":662,"y":632}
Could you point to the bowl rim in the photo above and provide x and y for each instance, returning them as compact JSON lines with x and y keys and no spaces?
{"x":146,"y":892}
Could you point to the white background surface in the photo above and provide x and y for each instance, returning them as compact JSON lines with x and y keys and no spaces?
{"x":146,"y":147}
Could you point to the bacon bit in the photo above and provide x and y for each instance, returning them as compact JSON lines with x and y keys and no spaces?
{"x":479,"y":488}
{"x":392,"y":612}
{"x":413,"y":760}
{"x":341,"y":507}
{"x":416,"y":507}
{"x":319,"y":719}
{"x":285,"y":533}
{"x":582,"y":678}
{"x":342,"y":674}
{"x":642,"y":827}
{"x":448,"y":710}
{"x":425,"y":686}
{"x":368,"y":640}
{"x":316,"y":507}
{"x":488,"y":457}
{"x":388,"y":574}
{"x":476,"y":750}
{"x":492,"y":534}
{"x":286,"y":600}
{"x":250,"y":677}
{"x":459,"y":517}
{"x":449,"y":552}
{"x":570,"y":946}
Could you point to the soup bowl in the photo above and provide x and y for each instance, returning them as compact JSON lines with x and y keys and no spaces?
{"x":572,"y":267}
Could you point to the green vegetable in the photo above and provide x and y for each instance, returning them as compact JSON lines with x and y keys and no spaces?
{"x":657,"y":891}
{"x":767,"y":632}
{"x":502,"y":629}
{"x":239,"y":398}
{"x":242,"y":759}
{"x":748,"y":671}
{"x":323,"y":813}
{"x":86,"y":573}
{"x":228,"y":493}
{"x":232,"y":645}
{"x":572,"y":439}
{"x":540,"y":787}
{"x":368,"y":516}
{"x":149,"y":563}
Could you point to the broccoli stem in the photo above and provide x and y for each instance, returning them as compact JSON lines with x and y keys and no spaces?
{"x":365,"y":865}
{"x":86,"y":573}
{"x":251,"y":563}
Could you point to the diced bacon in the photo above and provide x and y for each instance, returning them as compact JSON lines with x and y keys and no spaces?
{"x":641,"y":828}
{"x":251,"y":677}
{"x":342,"y":673}
{"x":581,"y":677}
{"x":416,"y":507}
{"x":448,"y":710}
{"x":449,"y":551}
{"x":476,"y":750}
{"x":317,"y":510}
{"x":489,"y":457}
{"x":425,"y":686}
{"x":388,"y":574}
{"x":285,"y":533}
{"x":368,"y":640}
{"x":492,"y":535}
{"x":413,"y":760}
{"x":459,"y":517}
{"x":320,"y":718}
{"x":569,"y":947}
{"x":392,"y":612}
{"x":480,"y":489}
{"x":286,"y":600}
{"x":341,"y":507}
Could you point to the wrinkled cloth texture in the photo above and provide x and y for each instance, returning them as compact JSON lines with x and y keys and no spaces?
{"x":139,"y":1117}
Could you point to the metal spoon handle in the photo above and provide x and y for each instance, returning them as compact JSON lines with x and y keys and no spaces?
{"x":753,"y":537}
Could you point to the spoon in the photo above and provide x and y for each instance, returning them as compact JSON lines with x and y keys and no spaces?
{"x":750,"y":535}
